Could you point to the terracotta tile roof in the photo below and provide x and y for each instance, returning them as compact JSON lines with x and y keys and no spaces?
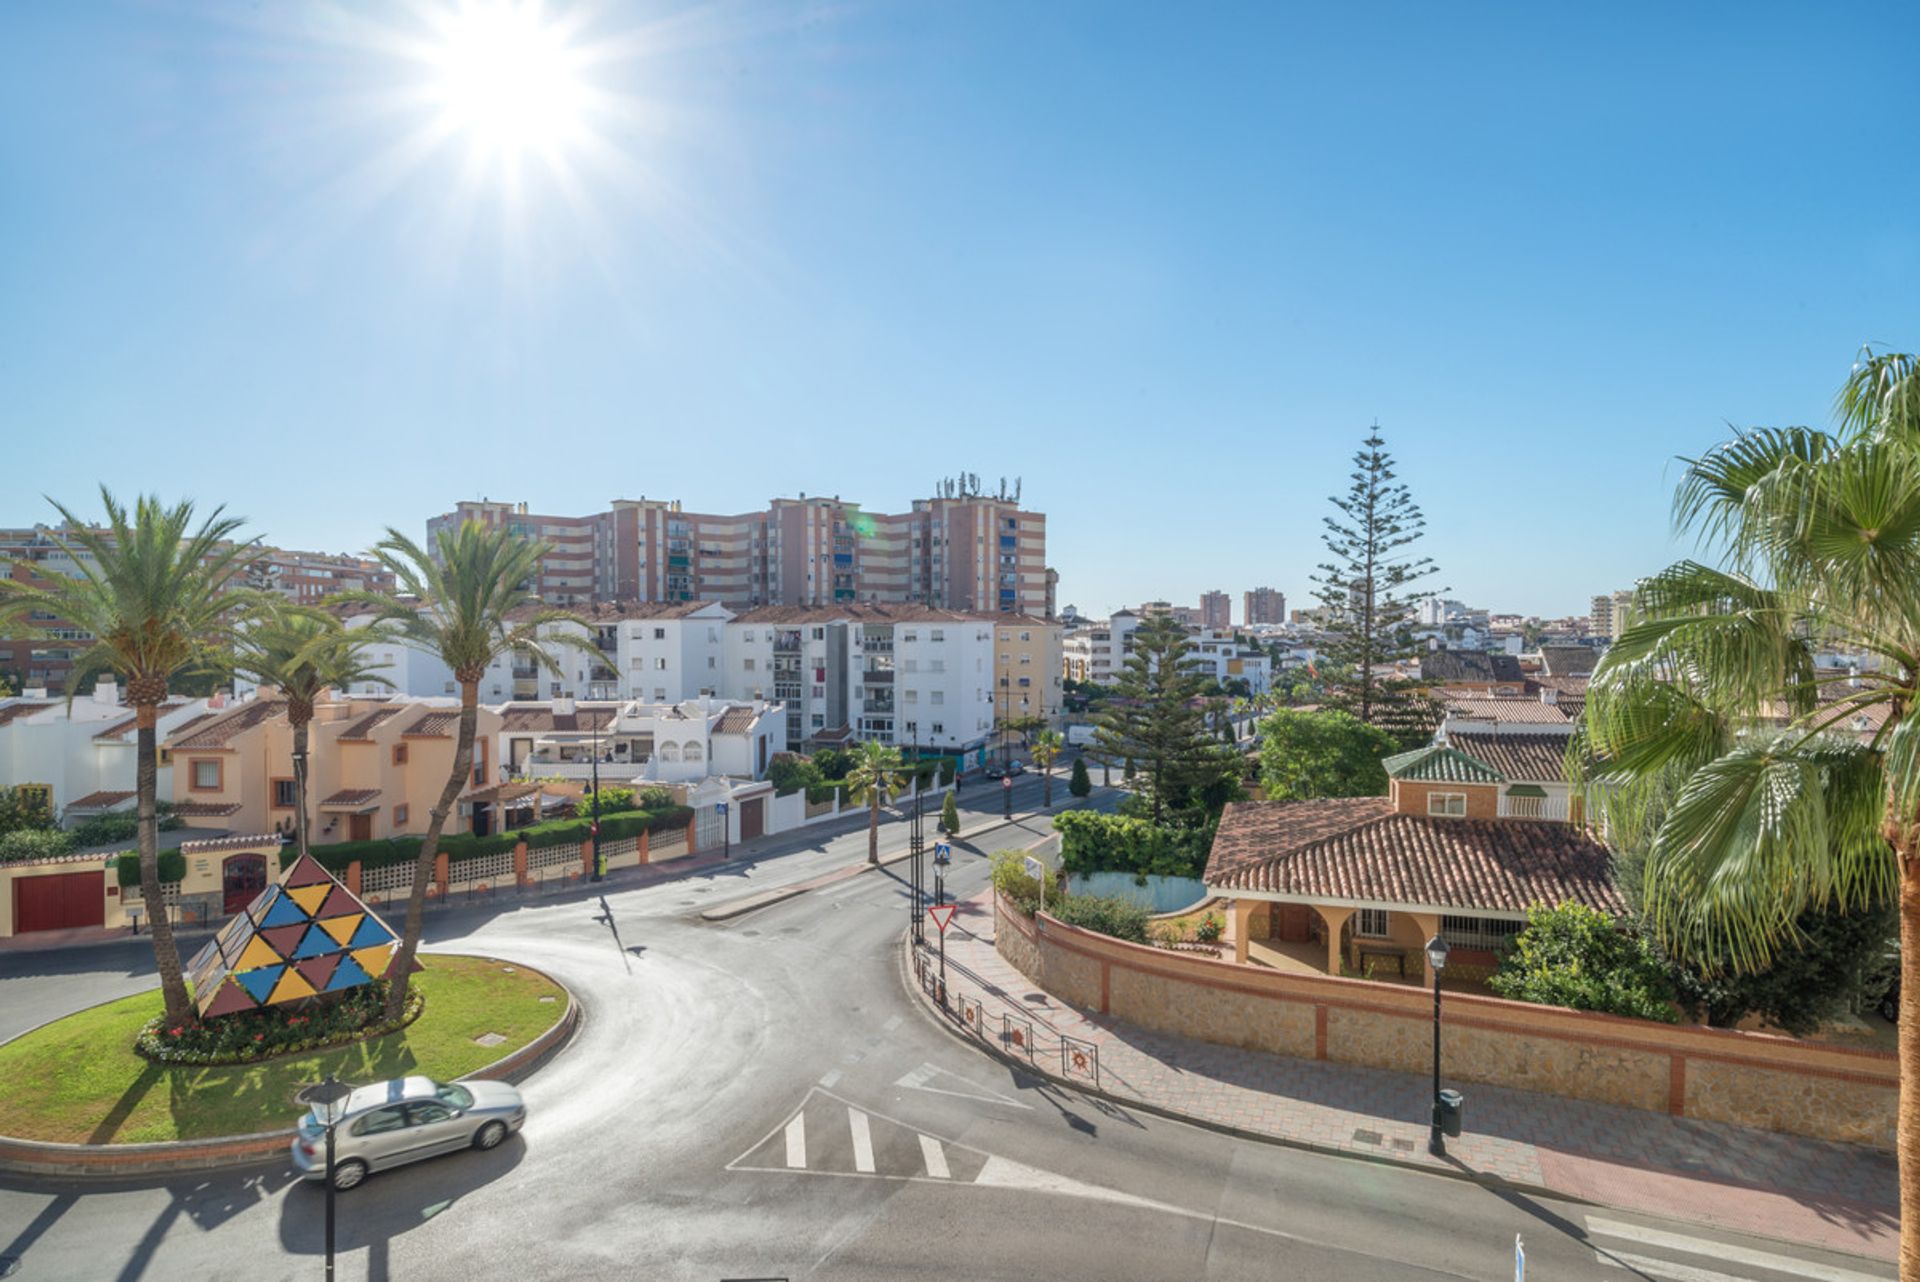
{"x":1518,"y":711}
{"x":1468,"y":666}
{"x":228,"y":843}
{"x":539,"y":718}
{"x":205,"y":809}
{"x":438,"y":724}
{"x":364,"y":727}
{"x":1529,"y":758}
{"x":501,"y":792}
{"x":20,"y":708}
{"x":1386,"y":858}
{"x":118,"y":729}
{"x":223,"y":728}
{"x":1440,"y":763}
{"x":105,"y":799}
{"x":351,"y":799}
{"x":735,"y":720}
{"x":1568,"y":660}
{"x":197,"y":719}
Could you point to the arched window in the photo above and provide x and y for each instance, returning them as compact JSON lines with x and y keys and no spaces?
{"x":669,"y":751}
{"x":694,"y":751}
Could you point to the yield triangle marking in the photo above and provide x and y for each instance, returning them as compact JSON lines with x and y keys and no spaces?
{"x":917,"y":1080}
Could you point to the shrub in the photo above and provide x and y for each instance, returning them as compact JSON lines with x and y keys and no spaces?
{"x":34,"y":843}
{"x":833,"y":763}
{"x":1021,"y":891}
{"x":1120,"y":918}
{"x":1095,"y":842}
{"x":948,"y":767}
{"x":171,"y":864}
{"x":950,"y":816}
{"x":20,"y":809}
{"x":612,"y":801}
{"x":1209,"y":930}
{"x":104,"y":830}
{"x":1078,"y":783}
{"x":789,"y":773}
{"x":354,"y":1015}
{"x":1576,"y":956}
{"x":658,"y":798}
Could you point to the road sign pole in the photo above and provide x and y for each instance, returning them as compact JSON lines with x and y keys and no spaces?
{"x":943,"y":969}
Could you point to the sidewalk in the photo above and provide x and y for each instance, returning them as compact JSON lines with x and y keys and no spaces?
{"x":1822,"y":1194}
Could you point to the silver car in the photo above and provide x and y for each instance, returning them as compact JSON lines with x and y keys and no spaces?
{"x":395,"y":1122}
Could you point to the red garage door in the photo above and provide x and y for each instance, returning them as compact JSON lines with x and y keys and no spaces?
{"x":753,"y":818}
{"x":58,"y":902}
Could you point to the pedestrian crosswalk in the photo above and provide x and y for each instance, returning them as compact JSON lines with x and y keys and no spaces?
{"x":827,"y":1135}
{"x":1683,"y":1258}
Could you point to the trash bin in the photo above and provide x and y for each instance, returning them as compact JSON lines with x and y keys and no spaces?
{"x":1450,"y":1105}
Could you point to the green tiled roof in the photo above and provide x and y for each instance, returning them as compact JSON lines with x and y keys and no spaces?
{"x":1438,"y":763}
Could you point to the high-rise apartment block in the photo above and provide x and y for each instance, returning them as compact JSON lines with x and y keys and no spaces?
{"x":969,"y":553}
{"x":1263,"y":605}
{"x":1609,"y":616}
{"x":1216,"y":610}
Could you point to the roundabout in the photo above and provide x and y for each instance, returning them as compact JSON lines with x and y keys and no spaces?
{"x":81,"y":1100}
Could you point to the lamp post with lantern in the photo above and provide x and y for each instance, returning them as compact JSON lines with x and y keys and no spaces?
{"x":1437,"y":962}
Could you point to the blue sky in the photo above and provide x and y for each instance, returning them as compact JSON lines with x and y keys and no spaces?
{"x":1166,"y":263}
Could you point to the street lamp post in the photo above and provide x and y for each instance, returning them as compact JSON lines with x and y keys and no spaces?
{"x":593,"y":827}
{"x":329,"y":1095}
{"x":916,"y":845}
{"x":1436,"y":962}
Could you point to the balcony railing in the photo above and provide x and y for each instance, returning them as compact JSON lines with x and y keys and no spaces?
{"x":1554,"y":808}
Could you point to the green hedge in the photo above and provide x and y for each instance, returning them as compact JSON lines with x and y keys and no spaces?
{"x":1095,"y":842}
{"x":23,"y":844}
{"x":172,"y":867}
{"x":555,"y":832}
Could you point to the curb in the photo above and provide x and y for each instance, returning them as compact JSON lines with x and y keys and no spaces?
{"x":1032,"y":1067}
{"x":90,"y":1162}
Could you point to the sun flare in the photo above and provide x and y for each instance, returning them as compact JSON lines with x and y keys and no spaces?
{"x":506,"y":77}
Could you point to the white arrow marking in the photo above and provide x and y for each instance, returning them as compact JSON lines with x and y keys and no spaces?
{"x":917,"y":1079}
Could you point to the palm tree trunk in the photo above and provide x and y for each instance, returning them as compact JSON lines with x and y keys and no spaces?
{"x":300,"y":721}
{"x":399,"y":972}
{"x":1909,"y":1046}
{"x":873,"y":826}
{"x":166,"y":955}
{"x":1046,"y":785}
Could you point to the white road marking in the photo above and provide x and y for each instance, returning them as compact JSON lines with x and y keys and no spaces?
{"x":845,"y":888}
{"x":797,"y":1140}
{"x":934,"y":1156}
{"x":830,"y":1077}
{"x":1722,"y":1251}
{"x":862,"y":1140}
{"x":916,"y":1079}
{"x":1648,"y":1266}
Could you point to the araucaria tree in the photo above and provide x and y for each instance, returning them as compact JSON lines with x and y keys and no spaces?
{"x":467,"y":605}
{"x":1366,"y":585}
{"x":1157,"y":723}
{"x":1813,"y":540}
{"x":159,"y":601}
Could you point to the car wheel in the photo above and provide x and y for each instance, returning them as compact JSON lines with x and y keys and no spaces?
{"x":349,"y":1173}
{"x":490,"y":1135}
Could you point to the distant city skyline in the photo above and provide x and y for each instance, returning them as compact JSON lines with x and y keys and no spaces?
{"x":849,"y":250}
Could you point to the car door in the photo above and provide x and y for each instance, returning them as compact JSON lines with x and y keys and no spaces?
{"x":380,"y":1138}
{"x":436,"y":1128}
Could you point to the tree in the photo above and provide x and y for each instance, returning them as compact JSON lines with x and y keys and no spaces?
{"x":302,"y":653}
{"x":1322,"y":754}
{"x":1156,"y":721}
{"x":1577,"y":956}
{"x":1079,"y":784}
{"x":950,"y":816}
{"x":1836,"y":965}
{"x":1814,"y":539}
{"x":467,"y":603}
{"x":1365,"y":586}
{"x":155,"y":598}
{"x":1046,"y":748}
{"x":875,"y":775}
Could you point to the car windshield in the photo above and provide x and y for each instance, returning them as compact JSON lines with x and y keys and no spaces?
{"x":454,"y":1095}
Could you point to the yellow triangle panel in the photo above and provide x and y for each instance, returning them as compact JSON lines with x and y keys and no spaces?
{"x":375,"y":960}
{"x":292,"y":986}
{"x":257,"y":953}
{"x":311,"y":897}
{"x":342,"y":928}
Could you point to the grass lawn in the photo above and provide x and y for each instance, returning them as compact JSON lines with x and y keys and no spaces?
{"x":79,"y":1081}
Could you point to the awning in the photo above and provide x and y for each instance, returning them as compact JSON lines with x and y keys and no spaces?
{"x":352,"y":801}
{"x":502,"y":793}
{"x":1526,"y":790}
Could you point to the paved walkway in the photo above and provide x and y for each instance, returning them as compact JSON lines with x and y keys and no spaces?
{"x":1831,"y":1195}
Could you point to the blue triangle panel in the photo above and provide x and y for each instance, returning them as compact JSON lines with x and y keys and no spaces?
{"x":370,"y":933}
{"x":347,"y":974}
{"x":259,"y":981}
{"x":284,"y":912}
{"x":317,"y":942}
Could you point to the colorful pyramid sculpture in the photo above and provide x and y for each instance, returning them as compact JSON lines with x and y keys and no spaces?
{"x":307,"y":935}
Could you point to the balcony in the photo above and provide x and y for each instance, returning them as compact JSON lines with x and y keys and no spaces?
{"x":1532,"y":807}
{"x":878,"y":676}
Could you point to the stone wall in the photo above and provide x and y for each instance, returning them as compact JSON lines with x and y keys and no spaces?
{"x":1753,"y":1079}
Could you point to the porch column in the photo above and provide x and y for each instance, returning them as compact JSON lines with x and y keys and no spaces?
{"x":1428,"y":925}
{"x":1242,"y":927}
{"x":519,"y":863}
{"x":1335,"y":920}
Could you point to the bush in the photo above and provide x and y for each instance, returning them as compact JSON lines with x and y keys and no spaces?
{"x":1575,"y":956}
{"x":789,"y":773}
{"x":104,"y":830}
{"x":20,"y":809}
{"x":1078,"y":783}
{"x":1019,"y":890}
{"x":1095,"y":842}
{"x":1209,"y":930}
{"x":833,"y":763}
{"x":949,"y":766}
{"x":612,"y":801}
{"x":355,"y":1015}
{"x":1120,"y":918}
{"x":171,"y":865}
{"x":24,"y":844}
{"x":658,"y":798}
{"x":950,"y":816}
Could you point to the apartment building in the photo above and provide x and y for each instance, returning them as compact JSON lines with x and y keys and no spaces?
{"x":1216,"y":610}
{"x":1028,"y":662}
{"x":1608,"y":617}
{"x":969,"y":553}
{"x":1097,"y":651}
{"x":1228,"y":659}
{"x":308,"y":578}
{"x":1262,"y":607}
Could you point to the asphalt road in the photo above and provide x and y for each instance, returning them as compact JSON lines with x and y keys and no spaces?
{"x":762,"y":1098}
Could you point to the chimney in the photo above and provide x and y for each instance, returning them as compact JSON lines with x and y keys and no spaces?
{"x":1549,"y":695}
{"x":106,"y":691}
{"x":217,"y":700}
{"x":562,"y":705}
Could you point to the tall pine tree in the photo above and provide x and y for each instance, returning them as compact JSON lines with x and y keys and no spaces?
{"x":1157,"y":721}
{"x":1365,"y":585}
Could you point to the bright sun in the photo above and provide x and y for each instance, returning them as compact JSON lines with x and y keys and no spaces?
{"x":506,"y":78}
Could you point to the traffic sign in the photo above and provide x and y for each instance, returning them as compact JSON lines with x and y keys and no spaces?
{"x":942,"y":915}
{"x":720,"y":807}
{"x":942,"y":853}
{"x":1519,"y":1259}
{"x":1036,"y":869}
{"x":1006,"y":783}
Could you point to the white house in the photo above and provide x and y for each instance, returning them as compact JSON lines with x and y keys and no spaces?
{"x":84,"y":755}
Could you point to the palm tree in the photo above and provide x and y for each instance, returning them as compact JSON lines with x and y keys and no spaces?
{"x":466,"y":604}
{"x":1712,"y":749}
{"x":876,"y":772}
{"x":303,"y":653}
{"x":1046,"y":748}
{"x":158,"y":601}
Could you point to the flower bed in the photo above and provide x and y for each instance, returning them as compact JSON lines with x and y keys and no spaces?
{"x":252,"y":1036}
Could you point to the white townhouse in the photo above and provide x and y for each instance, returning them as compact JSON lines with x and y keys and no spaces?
{"x":83,"y":756}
